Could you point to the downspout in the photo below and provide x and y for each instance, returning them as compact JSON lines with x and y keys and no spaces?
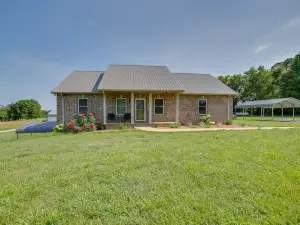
{"x":63,"y":108}
{"x":228,"y":108}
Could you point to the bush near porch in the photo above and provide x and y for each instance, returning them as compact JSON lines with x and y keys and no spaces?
{"x":80,"y":123}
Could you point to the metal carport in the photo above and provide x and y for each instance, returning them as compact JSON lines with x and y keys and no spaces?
{"x":271,"y":104}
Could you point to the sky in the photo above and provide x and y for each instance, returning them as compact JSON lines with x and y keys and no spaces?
{"x":41,"y":42}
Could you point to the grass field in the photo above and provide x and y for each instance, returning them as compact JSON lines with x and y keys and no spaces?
{"x":15,"y":124}
{"x":134,"y":177}
{"x":268,"y":122}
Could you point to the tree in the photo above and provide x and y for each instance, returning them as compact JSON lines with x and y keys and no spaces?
{"x":236,"y":83}
{"x":24,"y":109}
{"x":288,"y":83}
{"x":3,"y":113}
{"x":258,"y":84}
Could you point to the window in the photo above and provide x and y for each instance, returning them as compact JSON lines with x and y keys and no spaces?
{"x":202,"y":106}
{"x":82,"y":105}
{"x":121,"y":106}
{"x":158,"y":106}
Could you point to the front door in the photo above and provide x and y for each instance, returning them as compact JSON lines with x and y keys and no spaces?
{"x":140,"y":109}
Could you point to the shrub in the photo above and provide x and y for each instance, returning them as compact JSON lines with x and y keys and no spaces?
{"x":174,"y":125}
{"x":81,"y":123}
{"x":206,"y":120}
{"x":228,"y":122}
{"x":99,"y":125}
{"x":59,"y":128}
{"x":124,"y":127}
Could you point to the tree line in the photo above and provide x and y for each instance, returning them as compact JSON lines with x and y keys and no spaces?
{"x":282,"y":80}
{"x":23,"y":109}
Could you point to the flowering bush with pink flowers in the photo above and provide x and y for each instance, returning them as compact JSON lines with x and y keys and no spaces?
{"x":86,"y":122}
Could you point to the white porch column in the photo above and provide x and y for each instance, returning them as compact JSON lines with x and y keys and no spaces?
{"x":282,"y":113}
{"x":104,"y":108}
{"x":177,"y":108}
{"x":150,"y":108}
{"x":293,"y":112}
{"x":272,"y":113}
{"x":132,"y":107}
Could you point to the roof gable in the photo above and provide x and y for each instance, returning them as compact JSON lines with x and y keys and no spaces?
{"x":139,"y":78}
{"x":195,"y":83}
{"x":80,"y":82}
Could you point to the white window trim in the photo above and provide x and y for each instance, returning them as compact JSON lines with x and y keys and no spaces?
{"x":200,"y":99}
{"x":163,"y":107}
{"x":144,"y":109}
{"x":87,"y":106}
{"x":117,"y":106}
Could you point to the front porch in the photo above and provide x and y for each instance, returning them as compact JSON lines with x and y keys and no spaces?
{"x":140,"y":107}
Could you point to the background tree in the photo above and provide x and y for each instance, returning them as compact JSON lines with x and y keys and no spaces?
{"x":24,"y":109}
{"x":282,"y":80}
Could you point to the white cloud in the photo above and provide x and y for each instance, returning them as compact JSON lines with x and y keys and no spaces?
{"x":293,"y":23}
{"x":260,"y":48}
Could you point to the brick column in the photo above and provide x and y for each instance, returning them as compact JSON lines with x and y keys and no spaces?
{"x":177,"y":108}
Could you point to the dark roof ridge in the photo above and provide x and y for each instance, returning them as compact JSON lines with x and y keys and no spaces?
{"x":137,"y":65}
{"x":101,"y":71}
{"x":192,"y":73}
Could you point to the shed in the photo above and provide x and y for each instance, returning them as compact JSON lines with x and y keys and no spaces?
{"x":52,"y":115}
{"x":271,"y":104}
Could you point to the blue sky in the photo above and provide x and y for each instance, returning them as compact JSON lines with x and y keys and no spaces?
{"x":42,"y":41}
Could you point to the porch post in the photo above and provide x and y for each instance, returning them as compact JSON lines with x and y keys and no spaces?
{"x":293,"y":112}
{"x":282,"y":113}
{"x":272,"y":113}
{"x":104,"y":108}
{"x":261,"y":113}
{"x":132,"y":107}
{"x":150,"y":107}
{"x":243,"y":113}
{"x":177,"y":108}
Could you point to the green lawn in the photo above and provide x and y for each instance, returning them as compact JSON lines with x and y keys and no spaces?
{"x":134,"y":177}
{"x":15,"y":124}
{"x":268,"y":122}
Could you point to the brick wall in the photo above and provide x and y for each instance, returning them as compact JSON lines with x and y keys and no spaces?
{"x":169,"y":108}
{"x":217,"y":106}
{"x":95,"y":103}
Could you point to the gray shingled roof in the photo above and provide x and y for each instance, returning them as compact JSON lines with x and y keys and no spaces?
{"x":194,"y":83}
{"x":269,"y":103}
{"x":143,"y":78}
{"x":80,"y":82}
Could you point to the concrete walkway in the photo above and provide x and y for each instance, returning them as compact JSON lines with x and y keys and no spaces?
{"x":5,"y":131}
{"x":207,"y":129}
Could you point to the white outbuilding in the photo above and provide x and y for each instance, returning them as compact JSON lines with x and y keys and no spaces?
{"x":52,"y":115}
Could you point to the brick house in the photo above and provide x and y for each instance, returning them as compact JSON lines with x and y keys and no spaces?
{"x":143,"y":94}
